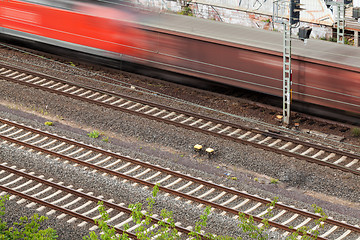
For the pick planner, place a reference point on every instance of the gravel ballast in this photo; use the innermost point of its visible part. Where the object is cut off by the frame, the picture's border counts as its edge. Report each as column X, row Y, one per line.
column 301, row 184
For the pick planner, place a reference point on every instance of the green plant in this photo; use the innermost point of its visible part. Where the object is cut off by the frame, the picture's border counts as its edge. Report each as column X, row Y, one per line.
column 26, row 228
column 355, row 132
column 105, row 139
column 107, row 232
column 306, row 232
column 348, row 41
column 94, row 134
column 256, row 179
column 186, row 11
column 49, row 123
column 330, row 39
column 202, row 223
column 248, row 226
column 167, row 230
column 274, row 180
column 254, row 230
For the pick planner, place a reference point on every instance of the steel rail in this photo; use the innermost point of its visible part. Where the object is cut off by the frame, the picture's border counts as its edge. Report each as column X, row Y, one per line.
column 154, row 167
column 57, row 208
column 232, row 191
column 149, row 184
column 170, row 109
column 243, row 141
column 83, row 195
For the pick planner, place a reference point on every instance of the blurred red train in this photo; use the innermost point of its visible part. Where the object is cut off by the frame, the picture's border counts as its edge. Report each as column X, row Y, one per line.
column 80, row 25
column 324, row 74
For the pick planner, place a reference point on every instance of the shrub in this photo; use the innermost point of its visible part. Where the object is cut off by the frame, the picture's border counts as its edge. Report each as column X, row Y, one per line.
column 26, row 228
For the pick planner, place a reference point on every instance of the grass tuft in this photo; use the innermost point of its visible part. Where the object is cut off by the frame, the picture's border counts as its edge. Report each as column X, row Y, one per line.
column 94, row 134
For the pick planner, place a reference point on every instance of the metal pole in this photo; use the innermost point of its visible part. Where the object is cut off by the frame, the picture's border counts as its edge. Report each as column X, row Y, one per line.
column 283, row 6
column 340, row 28
column 287, row 72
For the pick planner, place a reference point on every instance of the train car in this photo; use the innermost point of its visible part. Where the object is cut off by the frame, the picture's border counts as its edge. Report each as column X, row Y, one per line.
column 324, row 73
column 87, row 26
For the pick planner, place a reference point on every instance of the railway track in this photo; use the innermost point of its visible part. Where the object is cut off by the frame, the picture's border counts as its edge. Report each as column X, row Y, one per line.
column 67, row 202
column 192, row 189
column 271, row 141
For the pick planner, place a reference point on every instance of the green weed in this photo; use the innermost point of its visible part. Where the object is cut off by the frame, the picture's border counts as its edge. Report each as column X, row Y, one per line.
column 94, row 134
column 49, row 123
column 274, row 180
column 355, row 132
